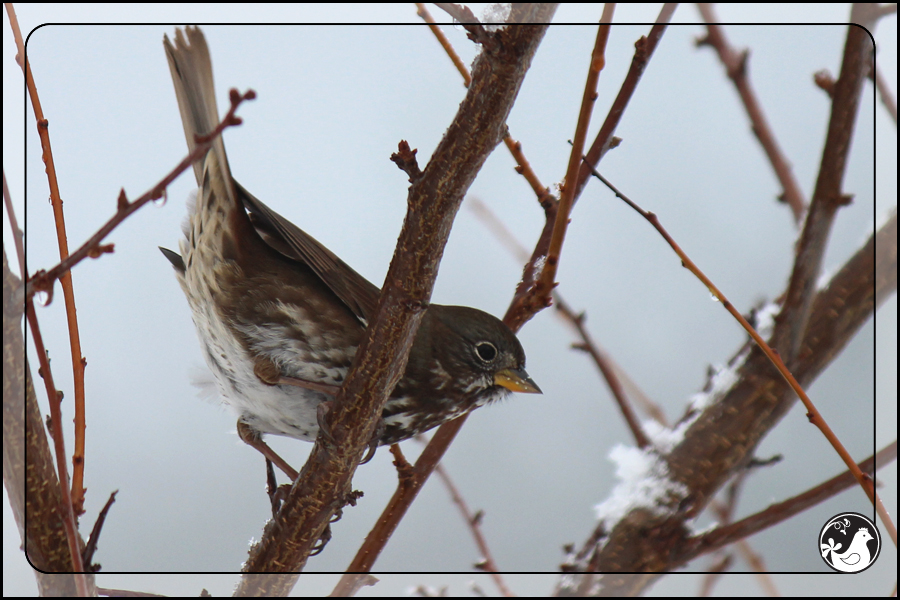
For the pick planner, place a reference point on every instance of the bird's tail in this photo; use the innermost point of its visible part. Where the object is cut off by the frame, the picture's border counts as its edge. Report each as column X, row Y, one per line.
column 192, row 76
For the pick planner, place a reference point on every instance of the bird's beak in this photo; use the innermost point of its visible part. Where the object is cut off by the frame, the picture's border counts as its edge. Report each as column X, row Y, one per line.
column 516, row 380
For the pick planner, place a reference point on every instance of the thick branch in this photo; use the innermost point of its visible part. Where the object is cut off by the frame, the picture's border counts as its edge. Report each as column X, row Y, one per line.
column 828, row 196
column 35, row 496
column 433, row 200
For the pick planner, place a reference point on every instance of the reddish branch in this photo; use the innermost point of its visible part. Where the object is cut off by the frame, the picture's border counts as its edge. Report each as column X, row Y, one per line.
column 526, row 302
column 643, row 52
column 606, row 369
column 423, row 13
column 43, row 280
column 473, row 521
column 736, row 67
column 77, row 490
column 546, row 279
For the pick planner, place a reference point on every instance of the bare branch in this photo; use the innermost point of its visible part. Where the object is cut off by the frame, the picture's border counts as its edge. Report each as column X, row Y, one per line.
column 378, row 364
column 547, row 280
column 736, row 66
column 828, row 196
column 709, row 452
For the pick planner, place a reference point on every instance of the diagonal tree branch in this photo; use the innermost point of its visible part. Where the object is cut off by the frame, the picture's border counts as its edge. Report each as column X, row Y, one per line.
column 724, row 435
column 736, row 67
column 323, row 487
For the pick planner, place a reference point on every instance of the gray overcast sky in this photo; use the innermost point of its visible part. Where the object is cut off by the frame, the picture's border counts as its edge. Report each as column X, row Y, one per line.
column 333, row 101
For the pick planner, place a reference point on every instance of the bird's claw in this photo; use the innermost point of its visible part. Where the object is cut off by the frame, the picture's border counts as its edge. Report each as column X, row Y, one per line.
column 320, row 545
column 374, row 442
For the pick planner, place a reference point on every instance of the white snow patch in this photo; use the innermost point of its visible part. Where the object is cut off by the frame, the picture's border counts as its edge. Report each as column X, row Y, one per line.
column 644, row 483
column 824, row 279
column 765, row 319
column 539, row 265
column 725, row 377
column 662, row 437
column 495, row 15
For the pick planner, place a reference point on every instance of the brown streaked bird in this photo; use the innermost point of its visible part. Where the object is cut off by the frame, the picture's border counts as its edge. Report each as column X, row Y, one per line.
column 279, row 316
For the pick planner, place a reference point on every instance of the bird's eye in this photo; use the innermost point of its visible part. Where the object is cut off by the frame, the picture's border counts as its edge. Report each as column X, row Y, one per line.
column 486, row 351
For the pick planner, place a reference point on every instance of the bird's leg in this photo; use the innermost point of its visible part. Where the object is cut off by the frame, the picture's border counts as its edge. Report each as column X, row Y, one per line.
column 268, row 373
column 325, row 388
column 252, row 438
column 272, row 488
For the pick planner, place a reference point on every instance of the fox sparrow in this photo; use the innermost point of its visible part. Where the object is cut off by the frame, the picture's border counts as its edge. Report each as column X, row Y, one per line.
column 279, row 316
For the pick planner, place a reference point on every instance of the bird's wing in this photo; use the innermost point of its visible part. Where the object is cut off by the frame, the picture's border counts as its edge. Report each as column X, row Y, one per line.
column 354, row 290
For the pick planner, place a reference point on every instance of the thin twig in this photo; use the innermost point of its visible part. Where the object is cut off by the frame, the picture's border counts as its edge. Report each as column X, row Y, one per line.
column 43, row 280
column 713, row 573
column 94, row 538
column 643, row 52
column 736, row 67
column 78, row 361
column 423, row 13
column 14, row 226
column 473, row 521
column 609, row 374
column 523, row 167
column 547, row 280
column 68, row 509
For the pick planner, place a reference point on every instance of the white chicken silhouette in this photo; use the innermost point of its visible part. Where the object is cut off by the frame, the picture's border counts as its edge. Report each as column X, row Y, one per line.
column 853, row 559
